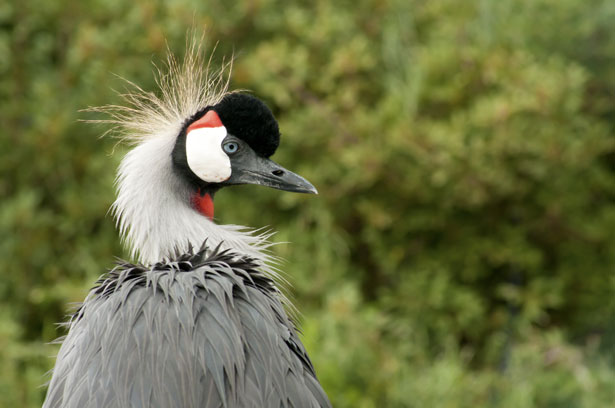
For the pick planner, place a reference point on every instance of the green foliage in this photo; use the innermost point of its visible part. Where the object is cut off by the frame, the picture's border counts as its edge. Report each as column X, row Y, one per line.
column 461, row 252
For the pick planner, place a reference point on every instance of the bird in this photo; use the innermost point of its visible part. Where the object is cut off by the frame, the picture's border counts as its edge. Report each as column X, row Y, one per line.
column 200, row 318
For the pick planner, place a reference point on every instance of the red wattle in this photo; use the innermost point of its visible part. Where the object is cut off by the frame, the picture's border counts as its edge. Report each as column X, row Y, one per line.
column 203, row 204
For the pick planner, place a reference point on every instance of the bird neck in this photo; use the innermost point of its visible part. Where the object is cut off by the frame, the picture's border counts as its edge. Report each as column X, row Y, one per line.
column 158, row 215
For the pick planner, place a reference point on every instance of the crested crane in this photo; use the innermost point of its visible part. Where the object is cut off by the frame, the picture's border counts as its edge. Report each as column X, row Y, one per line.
column 199, row 321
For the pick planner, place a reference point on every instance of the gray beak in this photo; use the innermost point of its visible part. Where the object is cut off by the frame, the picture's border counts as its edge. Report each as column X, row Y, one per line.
column 253, row 169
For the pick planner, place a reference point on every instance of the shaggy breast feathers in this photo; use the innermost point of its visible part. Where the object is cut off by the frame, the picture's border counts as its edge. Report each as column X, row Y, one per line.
column 197, row 330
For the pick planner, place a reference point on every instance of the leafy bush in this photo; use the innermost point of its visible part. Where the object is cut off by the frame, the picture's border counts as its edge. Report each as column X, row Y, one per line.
column 461, row 251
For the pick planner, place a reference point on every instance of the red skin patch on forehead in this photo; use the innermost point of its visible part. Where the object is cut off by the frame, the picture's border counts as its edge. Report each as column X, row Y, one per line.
column 209, row 120
column 204, row 204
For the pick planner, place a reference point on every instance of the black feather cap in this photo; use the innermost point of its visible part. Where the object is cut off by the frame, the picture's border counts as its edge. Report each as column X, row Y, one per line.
column 244, row 116
column 249, row 119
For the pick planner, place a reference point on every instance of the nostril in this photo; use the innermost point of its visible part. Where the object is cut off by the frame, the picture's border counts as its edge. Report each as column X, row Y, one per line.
column 278, row 172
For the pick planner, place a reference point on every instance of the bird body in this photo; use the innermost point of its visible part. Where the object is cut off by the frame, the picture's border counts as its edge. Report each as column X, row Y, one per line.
column 206, row 329
column 199, row 321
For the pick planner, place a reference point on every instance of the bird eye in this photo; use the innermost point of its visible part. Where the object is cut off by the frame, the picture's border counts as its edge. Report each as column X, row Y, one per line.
column 230, row 147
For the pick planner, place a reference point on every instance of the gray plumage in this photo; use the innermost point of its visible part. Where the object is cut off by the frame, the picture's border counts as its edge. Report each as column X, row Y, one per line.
column 207, row 329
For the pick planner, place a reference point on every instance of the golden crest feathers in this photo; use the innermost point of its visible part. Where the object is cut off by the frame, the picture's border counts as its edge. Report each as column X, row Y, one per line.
column 184, row 88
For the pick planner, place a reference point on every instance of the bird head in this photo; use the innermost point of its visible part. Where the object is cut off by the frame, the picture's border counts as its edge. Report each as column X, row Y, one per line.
column 191, row 139
column 229, row 144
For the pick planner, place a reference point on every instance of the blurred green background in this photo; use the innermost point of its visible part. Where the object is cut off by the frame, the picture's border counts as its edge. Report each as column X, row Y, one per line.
column 461, row 252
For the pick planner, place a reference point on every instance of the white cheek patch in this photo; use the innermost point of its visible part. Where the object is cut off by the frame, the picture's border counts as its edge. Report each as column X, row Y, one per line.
column 205, row 156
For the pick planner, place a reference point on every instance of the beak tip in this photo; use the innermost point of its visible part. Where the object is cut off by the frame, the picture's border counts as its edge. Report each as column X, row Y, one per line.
column 308, row 188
